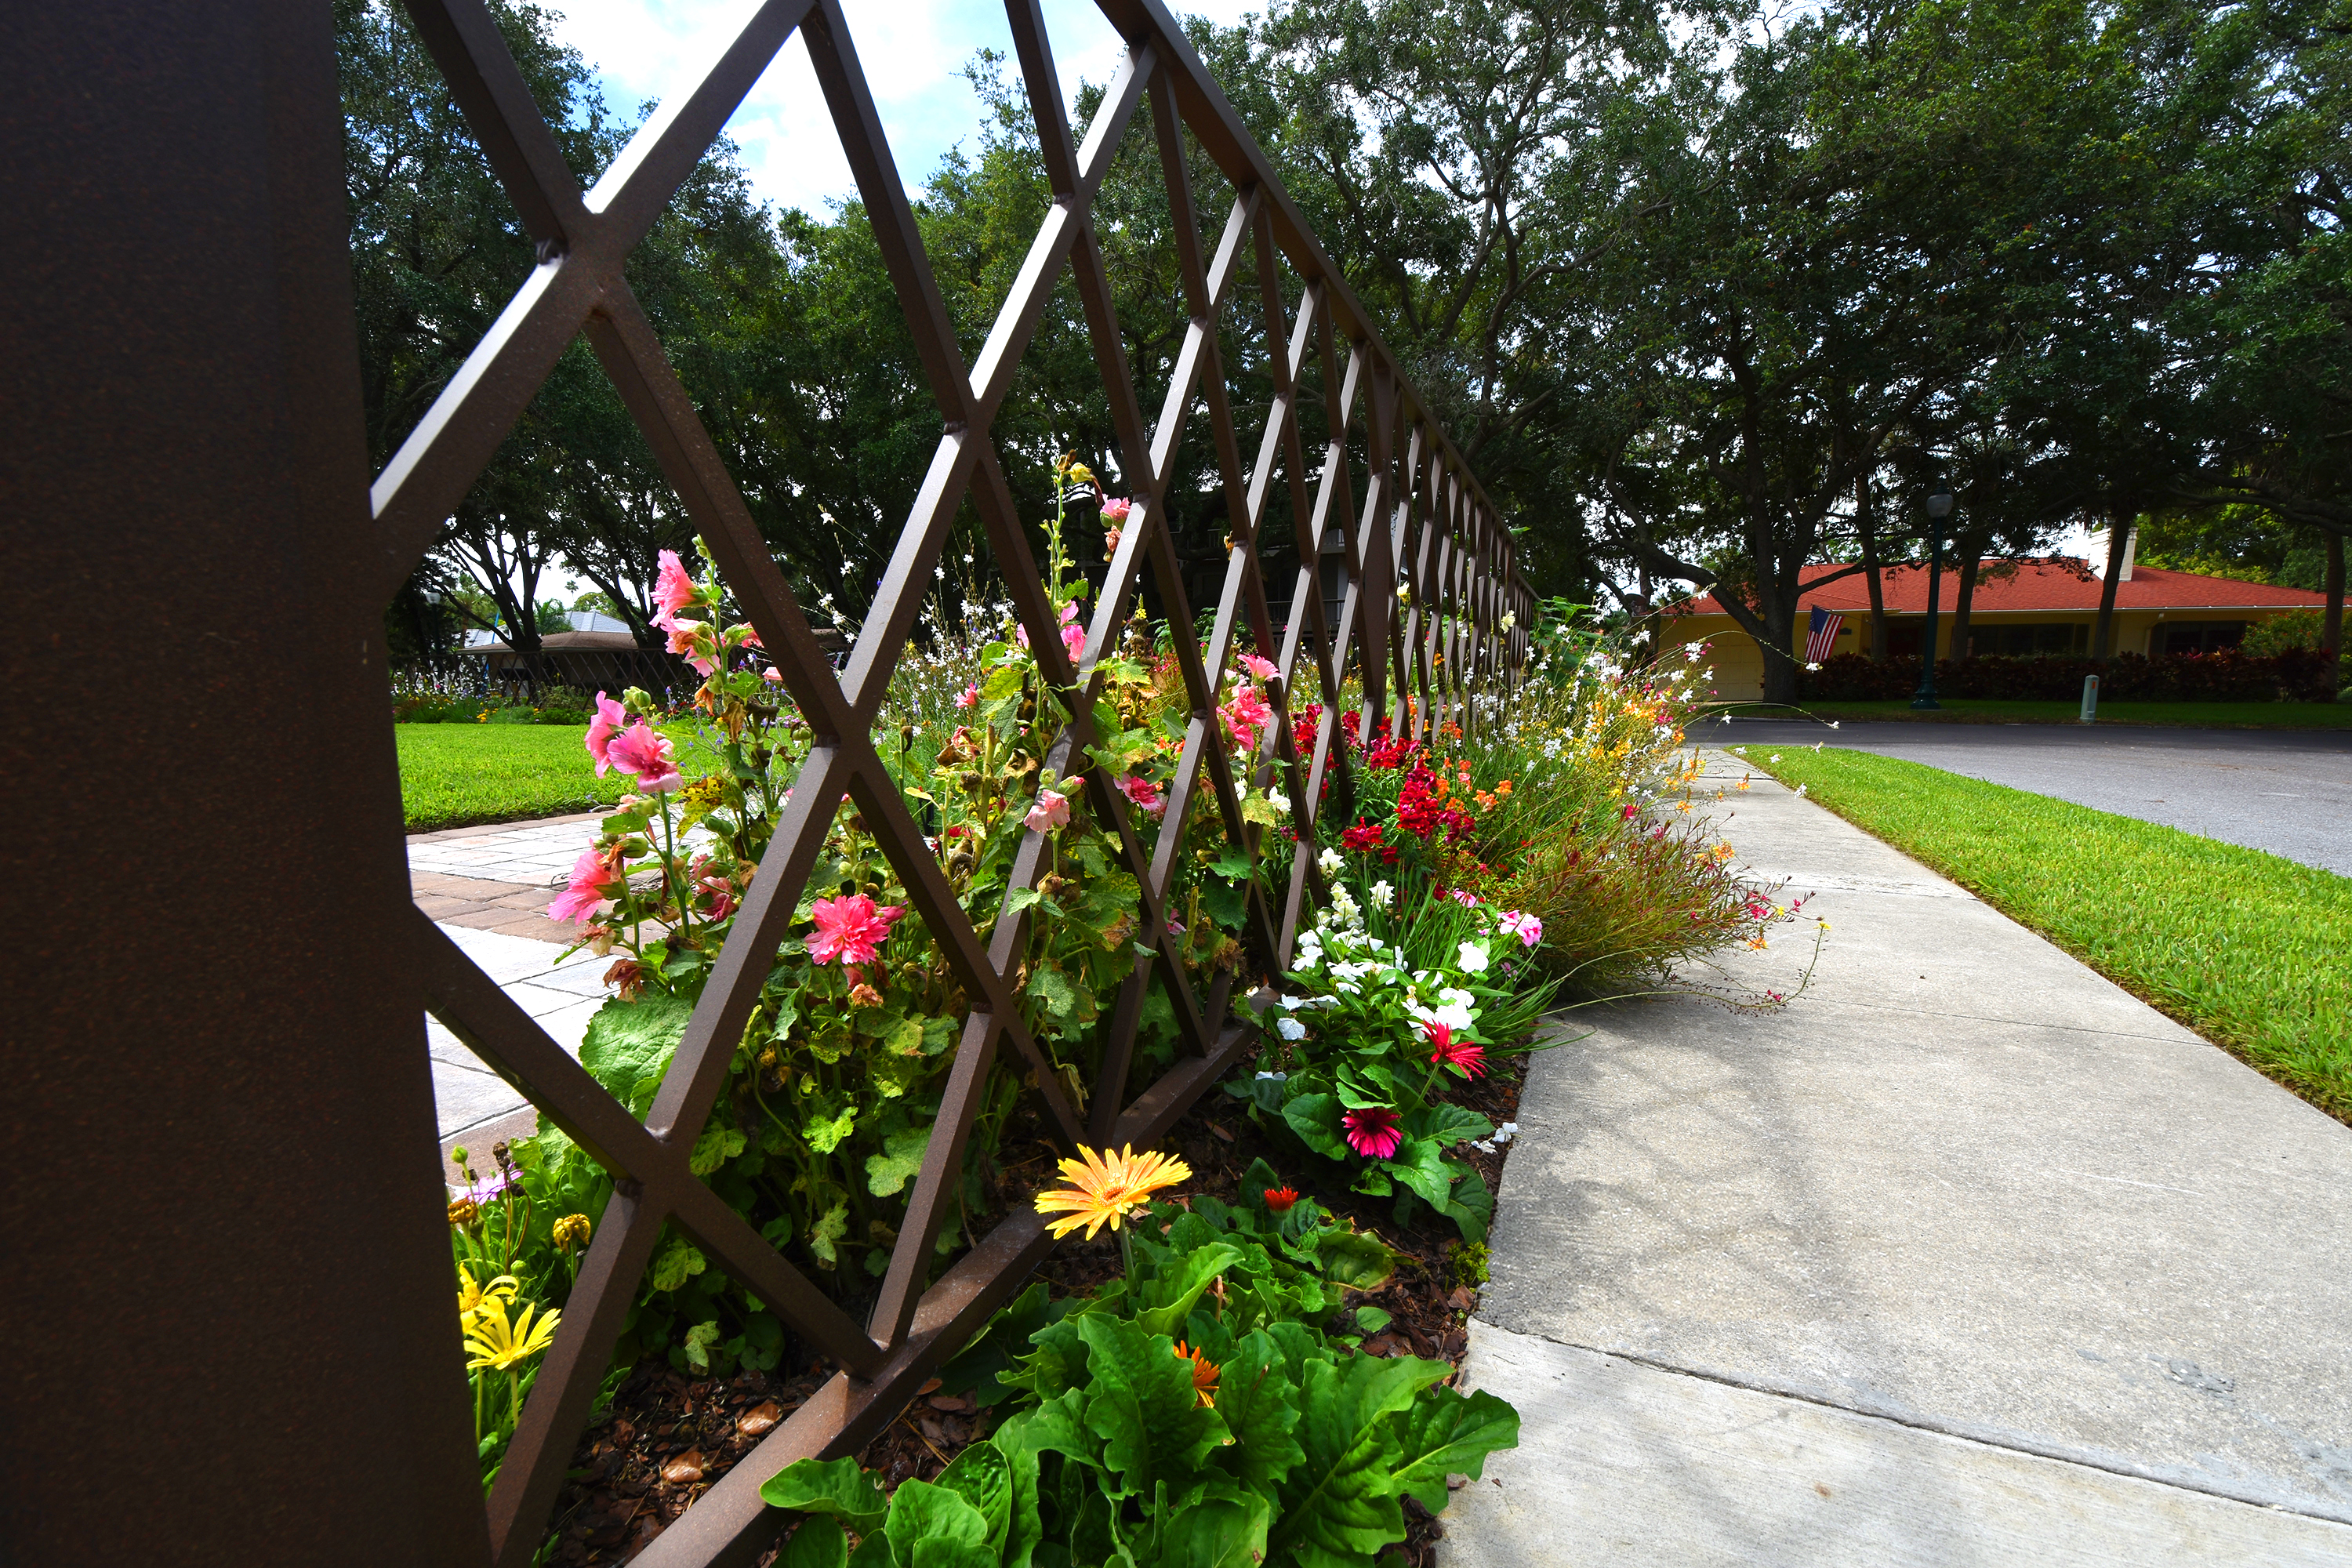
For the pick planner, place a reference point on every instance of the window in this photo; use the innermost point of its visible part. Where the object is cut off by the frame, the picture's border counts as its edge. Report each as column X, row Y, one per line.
column 2031, row 640
column 2172, row 638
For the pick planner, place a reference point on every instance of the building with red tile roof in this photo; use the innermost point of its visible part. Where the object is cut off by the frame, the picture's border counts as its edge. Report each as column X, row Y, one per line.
column 2020, row 609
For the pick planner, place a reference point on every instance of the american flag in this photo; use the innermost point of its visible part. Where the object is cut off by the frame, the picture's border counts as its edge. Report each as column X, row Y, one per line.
column 1823, row 642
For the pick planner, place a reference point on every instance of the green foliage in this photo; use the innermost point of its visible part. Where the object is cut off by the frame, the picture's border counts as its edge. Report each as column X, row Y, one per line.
column 1301, row 1456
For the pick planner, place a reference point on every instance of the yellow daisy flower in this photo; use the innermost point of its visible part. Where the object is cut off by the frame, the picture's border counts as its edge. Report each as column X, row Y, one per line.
column 471, row 1295
column 1107, row 1188
column 501, row 1346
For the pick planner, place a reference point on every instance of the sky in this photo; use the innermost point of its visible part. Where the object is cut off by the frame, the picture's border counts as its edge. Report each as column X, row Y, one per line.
column 912, row 52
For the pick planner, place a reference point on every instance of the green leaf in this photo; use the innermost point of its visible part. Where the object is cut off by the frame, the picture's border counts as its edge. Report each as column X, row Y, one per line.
column 1233, row 863
column 1447, row 1125
column 1445, row 1433
column 905, row 1036
column 830, row 1227
column 834, row 1488
column 1420, row 1164
column 817, row 1543
column 678, row 1263
column 1372, row 1320
column 1227, row 902
column 629, row 1043
column 717, row 1145
column 939, row 1034
column 1026, row 1530
column 1472, row 1209
column 981, row 1478
column 1140, row 1402
column 827, row 1134
column 1218, row 1533
column 1172, row 1295
column 901, row 1157
column 974, row 1368
column 924, row 1514
column 1052, row 987
column 1259, row 1402
column 1020, row 898
column 698, row 1343
column 1316, row 1119
column 1340, row 1506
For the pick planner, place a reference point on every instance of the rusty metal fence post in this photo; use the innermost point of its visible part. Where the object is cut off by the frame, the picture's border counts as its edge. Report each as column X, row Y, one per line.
column 224, row 1124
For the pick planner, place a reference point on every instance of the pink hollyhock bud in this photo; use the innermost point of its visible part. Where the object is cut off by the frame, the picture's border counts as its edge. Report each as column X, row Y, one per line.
column 1050, row 811
column 1115, row 509
column 673, row 589
column 610, row 717
column 1111, row 538
column 1373, row 1131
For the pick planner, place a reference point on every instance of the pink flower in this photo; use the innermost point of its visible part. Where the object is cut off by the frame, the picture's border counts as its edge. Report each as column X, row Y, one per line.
column 772, row 673
column 682, row 639
column 720, row 893
column 1373, row 1131
column 1632, row 810
column 673, row 589
column 851, row 930
column 1111, row 536
column 1526, row 926
column 1073, row 641
column 610, row 717
column 1246, row 716
column 1263, row 669
column 1468, row 900
column 1144, row 794
column 1465, row 1056
column 1115, row 509
column 970, row 698
column 584, row 893
column 645, row 752
column 1050, row 811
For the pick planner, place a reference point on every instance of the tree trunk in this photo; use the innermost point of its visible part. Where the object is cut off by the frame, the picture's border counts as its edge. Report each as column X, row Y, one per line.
column 2118, row 540
column 1964, row 600
column 2331, row 623
column 1779, row 665
column 1867, row 523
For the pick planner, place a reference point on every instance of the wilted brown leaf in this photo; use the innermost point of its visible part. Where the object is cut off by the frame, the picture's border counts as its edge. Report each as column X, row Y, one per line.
column 758, row 1418
column 685, row 1470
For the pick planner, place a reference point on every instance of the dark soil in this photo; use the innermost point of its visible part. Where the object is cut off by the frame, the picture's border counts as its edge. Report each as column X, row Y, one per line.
column 667, row 1437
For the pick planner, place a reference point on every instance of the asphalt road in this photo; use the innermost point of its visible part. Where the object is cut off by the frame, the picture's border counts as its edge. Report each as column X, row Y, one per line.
column 2288, row 792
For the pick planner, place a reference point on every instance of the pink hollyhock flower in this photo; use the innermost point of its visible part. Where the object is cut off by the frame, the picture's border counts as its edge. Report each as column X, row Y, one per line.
column 851, row 930
column 1373, row 1131
column 1144, row 794
column 1465, row 1056
column 595, row 872
column 645, row 752
column 720, row 893
column 1263, row 669
column 772, row 673
column 970, row 696
column 1246, row 716
column 1050, row 811
column 610, row 717
column 673, row 589
column 1115, row 509
column 1073, row 641
column 1526, row 926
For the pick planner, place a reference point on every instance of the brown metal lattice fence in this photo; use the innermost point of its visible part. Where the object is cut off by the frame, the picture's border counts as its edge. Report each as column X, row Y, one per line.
column 1423, row 525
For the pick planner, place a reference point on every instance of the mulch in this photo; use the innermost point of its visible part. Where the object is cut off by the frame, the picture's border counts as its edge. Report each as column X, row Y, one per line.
column 665, row 1436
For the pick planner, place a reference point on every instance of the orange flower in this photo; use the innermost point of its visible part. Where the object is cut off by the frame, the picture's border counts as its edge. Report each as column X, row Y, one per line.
column 1107, row 1188
column 1205, row 1373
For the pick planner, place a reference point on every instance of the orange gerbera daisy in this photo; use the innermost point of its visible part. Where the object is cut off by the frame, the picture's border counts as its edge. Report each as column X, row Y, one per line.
column 1107, row 1188
column 1205, row 1373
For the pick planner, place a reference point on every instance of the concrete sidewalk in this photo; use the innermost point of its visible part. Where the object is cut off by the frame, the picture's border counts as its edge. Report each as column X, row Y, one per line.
column 1965, row 1256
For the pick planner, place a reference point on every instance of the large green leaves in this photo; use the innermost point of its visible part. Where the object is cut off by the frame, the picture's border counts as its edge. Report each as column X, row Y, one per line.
column 834, row 1488
column 1340, row 1506
column 1140, row 1402
column 1259, row 1402
column 1445, row 1432
column 628, row 1045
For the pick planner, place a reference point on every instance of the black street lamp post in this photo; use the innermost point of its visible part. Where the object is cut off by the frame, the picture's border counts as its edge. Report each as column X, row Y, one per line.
column 1939, row 507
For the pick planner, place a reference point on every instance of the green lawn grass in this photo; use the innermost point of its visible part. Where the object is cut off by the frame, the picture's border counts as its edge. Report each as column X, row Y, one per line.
column 455, row 775
column 2253, row 951
column 1970, row 710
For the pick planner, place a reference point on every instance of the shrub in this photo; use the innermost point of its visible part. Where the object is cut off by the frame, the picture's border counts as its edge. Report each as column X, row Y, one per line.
column 2294, row 674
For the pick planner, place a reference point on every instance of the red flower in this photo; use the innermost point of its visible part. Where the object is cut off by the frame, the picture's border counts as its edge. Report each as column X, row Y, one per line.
column 1373, row 1131
column 850, row 930
column 1465, row 1056
column 1363, row 836
column 1279, row 1199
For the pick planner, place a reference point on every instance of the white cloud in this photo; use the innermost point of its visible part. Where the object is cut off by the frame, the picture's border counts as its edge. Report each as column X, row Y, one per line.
column 912, row 52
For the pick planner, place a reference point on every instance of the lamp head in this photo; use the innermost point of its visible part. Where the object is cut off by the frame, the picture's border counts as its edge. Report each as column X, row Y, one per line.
column 1939, row 502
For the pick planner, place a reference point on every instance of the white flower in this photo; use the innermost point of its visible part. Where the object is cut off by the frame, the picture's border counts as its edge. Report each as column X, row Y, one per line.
column 1511, row 620
column 1833, row 724
column 1740, row 750
column 1280, row 801
column 1383, row 895
column 1482, row 1145
column 1800, row 791
column 1776, row 756
column 1473, row 959
column 1506, row 1132
column 1329, row 861
column 1812, row 666
column 1276, row 1077
column 1290, row 1030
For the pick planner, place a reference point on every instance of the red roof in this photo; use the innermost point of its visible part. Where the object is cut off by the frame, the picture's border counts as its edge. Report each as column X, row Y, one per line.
column 2055, row 586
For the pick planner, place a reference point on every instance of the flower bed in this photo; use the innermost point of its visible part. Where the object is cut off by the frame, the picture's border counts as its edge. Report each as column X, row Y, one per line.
column 1448, row 929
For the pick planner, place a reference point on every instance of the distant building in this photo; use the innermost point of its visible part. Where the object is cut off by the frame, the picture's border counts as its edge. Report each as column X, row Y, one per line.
column 2027, row 608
